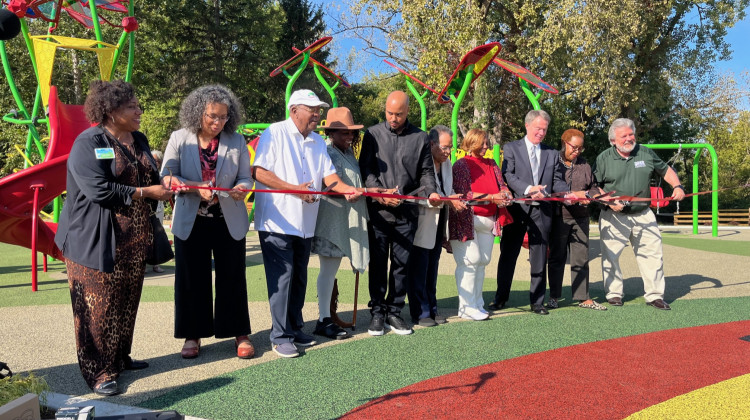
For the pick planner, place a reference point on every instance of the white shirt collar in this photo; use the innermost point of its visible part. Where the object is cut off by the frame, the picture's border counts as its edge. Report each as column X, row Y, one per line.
column 529, row 145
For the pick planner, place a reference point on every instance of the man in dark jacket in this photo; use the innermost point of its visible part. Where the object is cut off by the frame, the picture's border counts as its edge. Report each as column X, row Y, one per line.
column 396, row 156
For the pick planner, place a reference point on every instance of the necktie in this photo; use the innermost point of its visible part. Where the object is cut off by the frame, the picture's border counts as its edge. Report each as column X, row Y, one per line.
column 534, row 165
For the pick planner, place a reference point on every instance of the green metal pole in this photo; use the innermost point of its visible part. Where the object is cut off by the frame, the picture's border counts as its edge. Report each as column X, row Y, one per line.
column 95, row 20
column 714, row 182
column 326, row 86
column 420, row 100
column 292, row 79
column 534, row 99
column 116, row 57
column 457, row 106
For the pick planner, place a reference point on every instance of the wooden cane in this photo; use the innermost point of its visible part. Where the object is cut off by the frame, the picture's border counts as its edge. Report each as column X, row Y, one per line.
column 356, row 291
column 334, row 304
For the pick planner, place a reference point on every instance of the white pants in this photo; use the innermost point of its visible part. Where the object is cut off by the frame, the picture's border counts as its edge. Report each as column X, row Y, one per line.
column 641, row 230
column 471, row 259
column 329, row 266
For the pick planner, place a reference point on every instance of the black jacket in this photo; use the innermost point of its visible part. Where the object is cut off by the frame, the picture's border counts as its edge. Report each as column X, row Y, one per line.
column 403, row 160
column 86, row 233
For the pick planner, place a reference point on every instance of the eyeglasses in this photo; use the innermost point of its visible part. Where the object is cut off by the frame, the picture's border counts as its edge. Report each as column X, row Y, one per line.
column 576, row 148
column 316, row 110
column 217, row 118
column 443, row 148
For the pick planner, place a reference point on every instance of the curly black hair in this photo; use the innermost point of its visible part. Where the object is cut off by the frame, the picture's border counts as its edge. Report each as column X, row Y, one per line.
column 105, row 97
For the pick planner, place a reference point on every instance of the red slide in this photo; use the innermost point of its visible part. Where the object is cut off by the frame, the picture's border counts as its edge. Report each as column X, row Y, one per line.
column 44, row 181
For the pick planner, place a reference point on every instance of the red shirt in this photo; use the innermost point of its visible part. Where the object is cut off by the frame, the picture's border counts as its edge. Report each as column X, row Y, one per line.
column 483, row 181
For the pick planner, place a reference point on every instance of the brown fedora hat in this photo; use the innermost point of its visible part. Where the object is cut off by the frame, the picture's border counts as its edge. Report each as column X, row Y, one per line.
column 340, row 119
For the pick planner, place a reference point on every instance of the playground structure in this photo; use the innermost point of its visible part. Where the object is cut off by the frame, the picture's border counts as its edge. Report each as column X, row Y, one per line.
column 25, row 193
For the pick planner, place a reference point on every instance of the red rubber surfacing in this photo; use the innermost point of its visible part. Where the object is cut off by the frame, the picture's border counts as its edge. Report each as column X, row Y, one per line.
column 604, row 379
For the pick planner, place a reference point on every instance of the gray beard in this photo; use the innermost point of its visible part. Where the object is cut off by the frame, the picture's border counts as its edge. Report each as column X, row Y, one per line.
column 625, row 149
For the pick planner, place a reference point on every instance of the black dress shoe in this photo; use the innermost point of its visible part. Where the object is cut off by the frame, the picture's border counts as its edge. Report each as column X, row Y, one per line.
column 552, row 304
column 659, row 304
column 615, row 301
column 496, row 306
column 539, row 309
column 131, row 364
column 107, row 388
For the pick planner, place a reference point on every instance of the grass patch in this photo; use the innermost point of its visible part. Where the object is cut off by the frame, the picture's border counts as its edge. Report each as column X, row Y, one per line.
column 741, row 248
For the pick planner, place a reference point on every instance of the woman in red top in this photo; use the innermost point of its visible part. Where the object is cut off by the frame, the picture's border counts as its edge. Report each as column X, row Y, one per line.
column 472, row 232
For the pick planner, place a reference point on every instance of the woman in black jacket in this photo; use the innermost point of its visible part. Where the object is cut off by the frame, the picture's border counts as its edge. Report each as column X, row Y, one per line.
column 104, row 231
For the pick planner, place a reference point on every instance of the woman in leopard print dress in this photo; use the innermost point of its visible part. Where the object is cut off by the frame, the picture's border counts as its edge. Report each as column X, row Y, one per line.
column 104, row 231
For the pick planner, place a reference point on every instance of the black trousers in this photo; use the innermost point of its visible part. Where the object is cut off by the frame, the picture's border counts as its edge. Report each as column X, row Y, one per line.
column 537, row 224
column 573, row 233
column 195, row 315
column 389, row 241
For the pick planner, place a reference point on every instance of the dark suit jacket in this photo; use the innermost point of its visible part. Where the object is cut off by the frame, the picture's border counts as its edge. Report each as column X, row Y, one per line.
column 518, row 176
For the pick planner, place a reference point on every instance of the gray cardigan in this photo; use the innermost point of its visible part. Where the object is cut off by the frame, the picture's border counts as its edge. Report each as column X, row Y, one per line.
column 86, row 234
column 232, row 169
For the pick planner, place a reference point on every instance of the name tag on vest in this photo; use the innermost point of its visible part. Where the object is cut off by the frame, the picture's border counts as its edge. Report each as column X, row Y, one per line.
column 640, row 164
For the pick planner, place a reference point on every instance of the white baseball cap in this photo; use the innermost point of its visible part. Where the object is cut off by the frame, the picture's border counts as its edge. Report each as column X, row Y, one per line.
column 305, row 97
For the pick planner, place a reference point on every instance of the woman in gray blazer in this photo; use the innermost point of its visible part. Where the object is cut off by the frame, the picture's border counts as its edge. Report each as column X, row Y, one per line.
column 207, row 152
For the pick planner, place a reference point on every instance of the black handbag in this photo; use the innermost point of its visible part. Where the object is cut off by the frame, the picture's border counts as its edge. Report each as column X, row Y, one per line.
column 161, row 249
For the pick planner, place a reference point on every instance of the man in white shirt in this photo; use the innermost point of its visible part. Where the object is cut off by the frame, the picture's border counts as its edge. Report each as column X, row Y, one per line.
column 290, row 156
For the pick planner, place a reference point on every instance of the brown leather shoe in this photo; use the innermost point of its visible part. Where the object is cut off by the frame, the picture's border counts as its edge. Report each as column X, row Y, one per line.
column 615, row 301
column 191, row 349
column 245, row 349
column 659, row 304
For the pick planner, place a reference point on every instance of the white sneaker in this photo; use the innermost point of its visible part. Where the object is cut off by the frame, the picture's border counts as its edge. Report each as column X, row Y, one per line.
column 474, row 315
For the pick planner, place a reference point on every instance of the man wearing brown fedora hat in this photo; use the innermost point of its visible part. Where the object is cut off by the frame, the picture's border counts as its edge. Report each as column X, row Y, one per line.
column 291, row 156
column 395, row 155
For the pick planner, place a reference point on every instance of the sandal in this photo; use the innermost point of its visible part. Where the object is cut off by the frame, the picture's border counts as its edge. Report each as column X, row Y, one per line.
column 191, row 348
column 593, row 305
column 328, row 328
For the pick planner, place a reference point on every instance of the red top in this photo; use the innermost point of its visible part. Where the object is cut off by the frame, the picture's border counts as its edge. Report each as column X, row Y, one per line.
column 483, row 181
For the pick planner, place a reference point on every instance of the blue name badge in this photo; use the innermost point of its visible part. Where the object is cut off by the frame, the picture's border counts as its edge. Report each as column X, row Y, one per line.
column 640, row 164
column 105, row 153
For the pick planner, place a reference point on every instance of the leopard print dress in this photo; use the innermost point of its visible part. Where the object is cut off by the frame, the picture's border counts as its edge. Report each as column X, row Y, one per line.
column 105, row 304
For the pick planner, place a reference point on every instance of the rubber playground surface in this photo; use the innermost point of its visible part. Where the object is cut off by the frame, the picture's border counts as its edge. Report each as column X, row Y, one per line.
column 631, row 361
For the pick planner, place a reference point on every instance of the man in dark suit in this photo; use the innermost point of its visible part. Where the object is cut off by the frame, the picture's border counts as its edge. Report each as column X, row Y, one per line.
column 531, row 169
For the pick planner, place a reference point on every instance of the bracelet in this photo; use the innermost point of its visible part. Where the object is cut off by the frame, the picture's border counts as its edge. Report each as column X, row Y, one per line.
column 365, row 190
column 141, row 189
column 679, row 186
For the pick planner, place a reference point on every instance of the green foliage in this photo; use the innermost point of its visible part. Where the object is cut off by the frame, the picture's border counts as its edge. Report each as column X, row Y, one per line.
column 17, row 386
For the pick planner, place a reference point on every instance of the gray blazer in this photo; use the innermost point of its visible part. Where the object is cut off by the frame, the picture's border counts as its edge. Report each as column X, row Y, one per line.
column 232, row 169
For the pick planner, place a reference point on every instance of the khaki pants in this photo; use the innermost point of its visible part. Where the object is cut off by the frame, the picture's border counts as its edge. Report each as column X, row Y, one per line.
column 641, row 230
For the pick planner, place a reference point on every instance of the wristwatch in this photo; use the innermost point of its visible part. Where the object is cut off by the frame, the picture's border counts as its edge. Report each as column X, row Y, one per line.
column 679, row 186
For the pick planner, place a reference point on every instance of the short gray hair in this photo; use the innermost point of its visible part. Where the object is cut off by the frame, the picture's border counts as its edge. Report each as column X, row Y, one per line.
column 537, row 113
column 619, row 123
column 436, row 131
column 193, row 107
column 157, row 154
